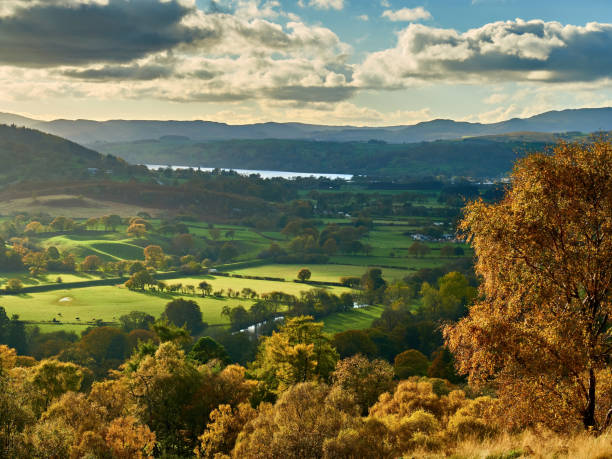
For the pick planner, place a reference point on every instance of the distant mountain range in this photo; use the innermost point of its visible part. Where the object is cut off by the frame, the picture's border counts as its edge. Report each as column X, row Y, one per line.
column 92, row 133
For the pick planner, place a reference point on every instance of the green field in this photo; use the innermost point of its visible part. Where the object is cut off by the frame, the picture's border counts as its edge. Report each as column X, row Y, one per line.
column 108, row 303
column 260, row 286
column 323, row 273
column 111, row 247
column 357, row 319
column 105, row 303
column 49, row 278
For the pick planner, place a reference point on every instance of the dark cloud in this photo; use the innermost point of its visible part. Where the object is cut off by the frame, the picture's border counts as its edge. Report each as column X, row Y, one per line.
column 47, row 35
column 122, row 72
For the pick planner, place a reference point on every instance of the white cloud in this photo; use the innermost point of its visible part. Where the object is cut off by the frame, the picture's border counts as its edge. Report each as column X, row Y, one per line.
column 363, row 17
column 324, row 4
column 407, row 14
column 249, row 58
column 539, row 51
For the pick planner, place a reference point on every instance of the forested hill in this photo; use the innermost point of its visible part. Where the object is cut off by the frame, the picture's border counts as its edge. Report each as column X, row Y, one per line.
column 27, row 154
column 476, row 157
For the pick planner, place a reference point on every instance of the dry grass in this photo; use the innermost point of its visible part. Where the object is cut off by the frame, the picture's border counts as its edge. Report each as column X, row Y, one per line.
column 536, row 445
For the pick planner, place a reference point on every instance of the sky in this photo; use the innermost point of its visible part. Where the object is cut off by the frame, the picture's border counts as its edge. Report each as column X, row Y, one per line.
column 335, row 62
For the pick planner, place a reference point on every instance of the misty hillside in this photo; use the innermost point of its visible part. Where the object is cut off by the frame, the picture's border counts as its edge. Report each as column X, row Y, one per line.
column 27, row 154
column 92, row 132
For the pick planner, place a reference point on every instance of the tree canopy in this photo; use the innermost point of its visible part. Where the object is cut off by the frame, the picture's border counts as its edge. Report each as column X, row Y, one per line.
column 540, row 332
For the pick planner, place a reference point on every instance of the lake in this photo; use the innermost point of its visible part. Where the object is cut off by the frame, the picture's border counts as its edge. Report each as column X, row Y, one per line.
column 263, row 174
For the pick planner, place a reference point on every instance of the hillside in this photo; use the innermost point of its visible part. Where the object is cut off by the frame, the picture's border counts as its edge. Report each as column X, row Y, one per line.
column 27, row 154
column 477, row 157
column 89, row 132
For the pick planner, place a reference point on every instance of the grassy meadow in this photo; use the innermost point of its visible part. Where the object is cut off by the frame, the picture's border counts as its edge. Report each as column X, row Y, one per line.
column 322, row 273
column 74, row 308
column 357, row 319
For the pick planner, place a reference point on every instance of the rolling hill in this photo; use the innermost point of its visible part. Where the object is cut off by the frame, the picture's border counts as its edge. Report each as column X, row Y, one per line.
column 27, row 154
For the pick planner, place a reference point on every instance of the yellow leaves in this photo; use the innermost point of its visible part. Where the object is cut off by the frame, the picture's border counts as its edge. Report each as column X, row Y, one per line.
column 298, row 352
column 543, row 254
column 128, row 439
column 8, row 358
column 474, row 420
column 409, row 396
column 221, row 433
column 412, row 431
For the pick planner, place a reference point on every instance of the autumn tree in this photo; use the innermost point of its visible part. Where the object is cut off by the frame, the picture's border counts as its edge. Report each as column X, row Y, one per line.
column 418, row 249
column 174, row 397
column 128, row 439
column 298, row 352
column 51, row 378
column 137, row 230
column 91, row 263
column 139, row 280
column 14, row 285
column 299, row 424
column 154, row 256
column 540, row 332
column 363, row 379
column 15, row 414
column 33, row 228
column 221, row 433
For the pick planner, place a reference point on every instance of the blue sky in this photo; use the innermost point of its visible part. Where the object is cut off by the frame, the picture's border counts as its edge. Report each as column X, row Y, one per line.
column 381, row 62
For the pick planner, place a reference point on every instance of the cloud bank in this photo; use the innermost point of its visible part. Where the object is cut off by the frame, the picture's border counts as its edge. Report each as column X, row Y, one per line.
column 536, row 51
column 254, row 51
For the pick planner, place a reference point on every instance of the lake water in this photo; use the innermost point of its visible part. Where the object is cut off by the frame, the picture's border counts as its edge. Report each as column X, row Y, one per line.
column 263, row 174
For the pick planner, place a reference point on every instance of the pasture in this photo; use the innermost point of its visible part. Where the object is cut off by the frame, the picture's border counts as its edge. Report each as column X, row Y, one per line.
column 48, row 278
column 357, row 319
column 322, row 273
column 260, row 286
column 74, row 308
column 109, row 247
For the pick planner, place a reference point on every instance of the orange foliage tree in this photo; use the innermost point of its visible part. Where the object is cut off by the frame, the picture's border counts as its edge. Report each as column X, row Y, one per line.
column 540, row 331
